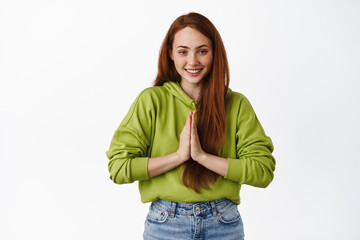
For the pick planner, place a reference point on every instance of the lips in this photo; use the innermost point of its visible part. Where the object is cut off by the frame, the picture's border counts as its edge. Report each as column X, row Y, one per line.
column 193, row 72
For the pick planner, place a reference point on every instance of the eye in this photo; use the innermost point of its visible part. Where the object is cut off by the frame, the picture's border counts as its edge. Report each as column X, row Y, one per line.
column 202, row 51
column 183, row 52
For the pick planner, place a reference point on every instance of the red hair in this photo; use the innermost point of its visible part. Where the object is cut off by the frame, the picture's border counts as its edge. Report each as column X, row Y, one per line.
column 211, row 107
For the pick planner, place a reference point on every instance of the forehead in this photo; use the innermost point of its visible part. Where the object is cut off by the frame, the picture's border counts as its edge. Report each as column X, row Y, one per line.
column 190, row 37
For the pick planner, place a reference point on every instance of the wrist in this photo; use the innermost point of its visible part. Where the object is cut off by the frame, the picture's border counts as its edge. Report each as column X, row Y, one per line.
column 200, row 158
column 178, row 158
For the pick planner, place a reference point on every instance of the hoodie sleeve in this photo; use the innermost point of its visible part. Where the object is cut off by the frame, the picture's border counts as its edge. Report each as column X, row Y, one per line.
column 128, row 151
column 254, row 164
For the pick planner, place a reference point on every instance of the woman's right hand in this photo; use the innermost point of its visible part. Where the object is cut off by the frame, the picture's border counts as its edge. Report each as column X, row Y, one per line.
column 183, row 151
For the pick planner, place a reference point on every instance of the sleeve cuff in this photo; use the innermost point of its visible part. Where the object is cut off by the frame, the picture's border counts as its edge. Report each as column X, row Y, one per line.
column 139, row 168
column 233, row 172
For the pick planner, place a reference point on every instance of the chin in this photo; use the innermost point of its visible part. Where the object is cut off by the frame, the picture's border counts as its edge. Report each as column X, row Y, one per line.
column 193, row 81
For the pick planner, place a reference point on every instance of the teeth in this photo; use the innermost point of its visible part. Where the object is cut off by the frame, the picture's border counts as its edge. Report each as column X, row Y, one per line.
column 193, row 71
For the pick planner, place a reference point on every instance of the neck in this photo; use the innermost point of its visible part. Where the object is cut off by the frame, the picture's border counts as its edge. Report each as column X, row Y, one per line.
column 192, row 90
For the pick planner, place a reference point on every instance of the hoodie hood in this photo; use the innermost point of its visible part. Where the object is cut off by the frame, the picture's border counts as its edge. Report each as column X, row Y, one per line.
column 175, row 89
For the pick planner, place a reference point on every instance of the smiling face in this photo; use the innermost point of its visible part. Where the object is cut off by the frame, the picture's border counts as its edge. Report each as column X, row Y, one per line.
column 192, row 55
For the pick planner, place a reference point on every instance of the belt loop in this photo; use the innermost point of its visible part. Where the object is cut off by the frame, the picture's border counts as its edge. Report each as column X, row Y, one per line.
column 214, row 208
column 172, row 209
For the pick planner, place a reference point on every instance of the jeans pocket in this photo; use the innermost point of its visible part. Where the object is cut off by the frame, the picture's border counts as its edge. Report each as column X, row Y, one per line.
column 229, row 214
column 157, row 214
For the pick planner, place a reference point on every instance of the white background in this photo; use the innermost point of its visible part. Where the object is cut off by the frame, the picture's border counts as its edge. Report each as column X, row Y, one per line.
column 70, row 69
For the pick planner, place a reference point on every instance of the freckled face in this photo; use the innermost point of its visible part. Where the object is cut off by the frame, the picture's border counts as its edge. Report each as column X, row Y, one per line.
column 192, row 55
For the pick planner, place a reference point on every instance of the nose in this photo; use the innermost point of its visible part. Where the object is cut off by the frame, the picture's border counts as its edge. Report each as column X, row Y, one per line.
column 192, row 60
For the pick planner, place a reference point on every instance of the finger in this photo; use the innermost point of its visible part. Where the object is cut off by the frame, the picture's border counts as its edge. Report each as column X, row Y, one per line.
column 189, row 122
column 194, row 120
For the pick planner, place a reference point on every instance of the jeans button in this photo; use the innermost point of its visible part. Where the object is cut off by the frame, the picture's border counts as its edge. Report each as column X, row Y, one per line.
column 197, row 209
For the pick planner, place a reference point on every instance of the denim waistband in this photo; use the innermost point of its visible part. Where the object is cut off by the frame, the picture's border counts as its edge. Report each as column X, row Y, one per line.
column 196, row 209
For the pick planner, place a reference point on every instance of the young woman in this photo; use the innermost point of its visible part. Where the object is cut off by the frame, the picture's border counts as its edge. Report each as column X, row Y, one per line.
column 190, row 141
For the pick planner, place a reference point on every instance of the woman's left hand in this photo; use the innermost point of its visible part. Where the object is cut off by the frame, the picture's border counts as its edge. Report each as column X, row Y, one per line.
column 196, row 150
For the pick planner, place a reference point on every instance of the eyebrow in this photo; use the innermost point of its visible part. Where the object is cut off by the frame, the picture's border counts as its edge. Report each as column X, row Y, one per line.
column 204, row 45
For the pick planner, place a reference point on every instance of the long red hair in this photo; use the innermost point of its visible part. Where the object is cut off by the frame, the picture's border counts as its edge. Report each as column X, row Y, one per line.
column 211, row 107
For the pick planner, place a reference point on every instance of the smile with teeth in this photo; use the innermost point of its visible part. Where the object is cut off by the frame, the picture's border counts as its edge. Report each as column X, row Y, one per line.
column 193, row 70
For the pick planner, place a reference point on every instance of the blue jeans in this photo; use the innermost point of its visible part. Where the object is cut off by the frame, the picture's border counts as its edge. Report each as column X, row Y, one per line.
column 217, row 219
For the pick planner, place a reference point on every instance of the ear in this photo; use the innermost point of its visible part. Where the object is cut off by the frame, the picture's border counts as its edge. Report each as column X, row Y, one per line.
column 170, row 53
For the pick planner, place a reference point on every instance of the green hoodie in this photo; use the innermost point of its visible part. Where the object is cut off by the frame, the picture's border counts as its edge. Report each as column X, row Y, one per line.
column 152, row 128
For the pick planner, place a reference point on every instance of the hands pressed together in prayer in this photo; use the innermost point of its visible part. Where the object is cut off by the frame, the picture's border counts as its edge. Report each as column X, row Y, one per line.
column 189, row 144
